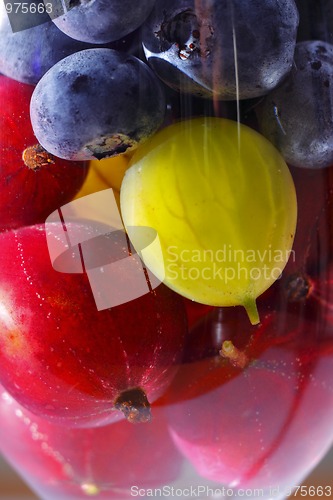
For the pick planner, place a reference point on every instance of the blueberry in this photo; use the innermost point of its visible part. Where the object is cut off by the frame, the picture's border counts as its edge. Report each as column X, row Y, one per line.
column 221, row 48
column 96, row 103
column 298, row 115
column 102, row 21
column 26, row 55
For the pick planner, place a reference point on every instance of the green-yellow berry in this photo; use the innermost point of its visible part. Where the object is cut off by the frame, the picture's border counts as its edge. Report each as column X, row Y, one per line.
column 223, row 203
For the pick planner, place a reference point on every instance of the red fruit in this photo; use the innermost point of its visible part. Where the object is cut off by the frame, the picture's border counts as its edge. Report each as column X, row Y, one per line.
column 62, row 358
column 195, row 311
column 260, row 414
column 102, row 462
column 33, row 183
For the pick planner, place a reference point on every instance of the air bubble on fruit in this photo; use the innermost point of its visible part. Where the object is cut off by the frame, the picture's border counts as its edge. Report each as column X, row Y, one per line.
column 223, row 203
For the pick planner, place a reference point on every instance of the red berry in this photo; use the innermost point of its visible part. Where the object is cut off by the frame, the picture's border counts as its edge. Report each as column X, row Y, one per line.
column 66, row 463
column 33, row 183
column 62, row 358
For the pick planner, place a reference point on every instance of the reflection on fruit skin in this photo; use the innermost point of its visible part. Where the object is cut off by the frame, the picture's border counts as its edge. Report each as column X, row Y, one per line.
column 103, row 462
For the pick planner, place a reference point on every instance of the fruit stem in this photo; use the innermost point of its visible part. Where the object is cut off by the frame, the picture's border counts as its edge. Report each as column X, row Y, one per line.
column 134, row 405
column 252, row 311
column 36, row 157
column 236, row 357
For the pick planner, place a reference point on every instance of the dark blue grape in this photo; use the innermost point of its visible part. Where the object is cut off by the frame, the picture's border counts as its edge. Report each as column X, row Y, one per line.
column 221, row 48
column 26, row 55
column 298, row 116
column 96, row 103
column 25, row 15
column 102, row 21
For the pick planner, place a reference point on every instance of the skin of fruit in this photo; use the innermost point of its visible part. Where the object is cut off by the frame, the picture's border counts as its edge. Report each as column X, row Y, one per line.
column 62, row 358
column 104, row 461
column 213, row 204
column 258, row 416
column 30, row 189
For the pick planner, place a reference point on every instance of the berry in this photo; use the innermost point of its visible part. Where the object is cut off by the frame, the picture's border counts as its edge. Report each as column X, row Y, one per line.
column 297, row 117
column 33, row 182
column 63, row 359
column 96, row 103
column 222, row 50
column 265, row 384
column 112, row 170
column 226, row 221
column 102, row 21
